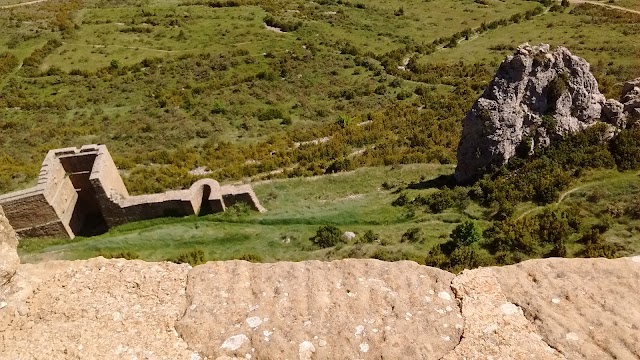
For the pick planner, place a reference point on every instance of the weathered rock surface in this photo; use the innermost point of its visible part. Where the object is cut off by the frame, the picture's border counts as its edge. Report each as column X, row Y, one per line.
column 94, row 309
column 537, row 96
column 349, row 309
column 584, row 308
column 365, row 309
column 317, row 310
column 9, row 260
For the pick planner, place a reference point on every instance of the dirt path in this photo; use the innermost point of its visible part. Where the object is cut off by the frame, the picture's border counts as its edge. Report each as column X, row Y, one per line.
column 122, row 46
column 605, row 5
column 560, row 200
column 22, row 4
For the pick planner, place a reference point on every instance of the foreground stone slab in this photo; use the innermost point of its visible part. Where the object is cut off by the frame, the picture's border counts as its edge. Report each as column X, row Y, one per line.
column 9, row 260
column 494, row 327
column 95, row 309
column 584, row 308
column 350, row 309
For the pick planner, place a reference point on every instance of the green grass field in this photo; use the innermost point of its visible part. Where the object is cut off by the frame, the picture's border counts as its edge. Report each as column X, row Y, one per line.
column 174, row 85
column 354, row 201
column 171, row 82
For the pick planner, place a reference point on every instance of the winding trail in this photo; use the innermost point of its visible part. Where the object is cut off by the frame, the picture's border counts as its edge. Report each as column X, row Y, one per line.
column 123, row 47
column 21, row 4
column 605, row 5
column 560, row 200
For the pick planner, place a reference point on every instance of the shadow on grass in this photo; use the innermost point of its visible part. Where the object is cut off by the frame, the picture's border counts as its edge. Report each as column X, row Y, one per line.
column 441, row 182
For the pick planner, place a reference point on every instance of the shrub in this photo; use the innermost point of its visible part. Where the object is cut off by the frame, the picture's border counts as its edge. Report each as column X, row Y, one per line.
column 251, row 258
column 557, row 87
column 193, row 257
column 553, row 227
column 596, row 246
column 128, row 255
column 413, row 235
column 284, row 25
column 343, row 164
column 115, row 64
column 327, row 236
column 344, row 120
column 625, row 148
column 466, row 233
column 401, row 200
column 272, row 113
column 370, row 237
column 445, row 199
column 436, row 257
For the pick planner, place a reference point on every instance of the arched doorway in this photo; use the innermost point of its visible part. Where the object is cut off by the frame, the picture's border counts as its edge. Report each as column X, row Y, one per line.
column 205, row 205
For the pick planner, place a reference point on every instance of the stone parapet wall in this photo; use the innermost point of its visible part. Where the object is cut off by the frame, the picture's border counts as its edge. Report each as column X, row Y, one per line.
column 25, row 212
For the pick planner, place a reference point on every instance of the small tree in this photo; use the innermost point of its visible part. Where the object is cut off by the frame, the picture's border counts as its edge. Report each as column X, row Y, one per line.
column 413, row 235
column 115, row 64
column 370, row 237
column 327, row 236
column 466, row 233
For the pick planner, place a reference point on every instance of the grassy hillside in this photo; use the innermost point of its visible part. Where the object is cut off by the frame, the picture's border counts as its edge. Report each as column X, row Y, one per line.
column 340, row 112
column 356, row 201
column 171, row 86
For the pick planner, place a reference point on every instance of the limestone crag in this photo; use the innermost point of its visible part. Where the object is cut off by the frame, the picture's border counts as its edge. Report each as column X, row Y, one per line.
column 537, row 96
column 631, row 98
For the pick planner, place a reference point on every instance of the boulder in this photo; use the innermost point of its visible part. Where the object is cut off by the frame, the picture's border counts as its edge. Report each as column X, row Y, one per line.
column 613, row 113
column 348, row 236
column 538, row 95
column 631, row 97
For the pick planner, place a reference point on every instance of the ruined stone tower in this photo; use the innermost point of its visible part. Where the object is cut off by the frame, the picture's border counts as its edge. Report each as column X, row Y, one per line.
column 80, row 192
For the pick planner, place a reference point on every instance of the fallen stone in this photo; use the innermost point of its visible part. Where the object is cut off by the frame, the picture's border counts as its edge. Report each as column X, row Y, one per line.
column 348, row 236
column 494, row 326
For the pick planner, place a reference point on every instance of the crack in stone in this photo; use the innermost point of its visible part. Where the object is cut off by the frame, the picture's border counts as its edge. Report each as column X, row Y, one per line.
column 188, row 303
column 527, row 316
column 458, row 298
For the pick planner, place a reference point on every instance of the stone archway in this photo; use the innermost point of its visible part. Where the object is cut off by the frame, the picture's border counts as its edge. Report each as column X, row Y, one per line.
column 205, row 204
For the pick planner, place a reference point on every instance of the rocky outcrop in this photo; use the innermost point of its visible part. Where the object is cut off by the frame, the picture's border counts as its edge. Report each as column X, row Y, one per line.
column 9, row 260
column 537, row 96
column 631, row 99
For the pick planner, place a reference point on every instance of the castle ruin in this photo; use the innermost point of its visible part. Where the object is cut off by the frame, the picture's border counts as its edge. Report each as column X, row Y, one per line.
column 80, row 192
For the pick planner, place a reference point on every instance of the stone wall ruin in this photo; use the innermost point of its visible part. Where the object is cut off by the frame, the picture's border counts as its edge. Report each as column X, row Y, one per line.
column 80, row 192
